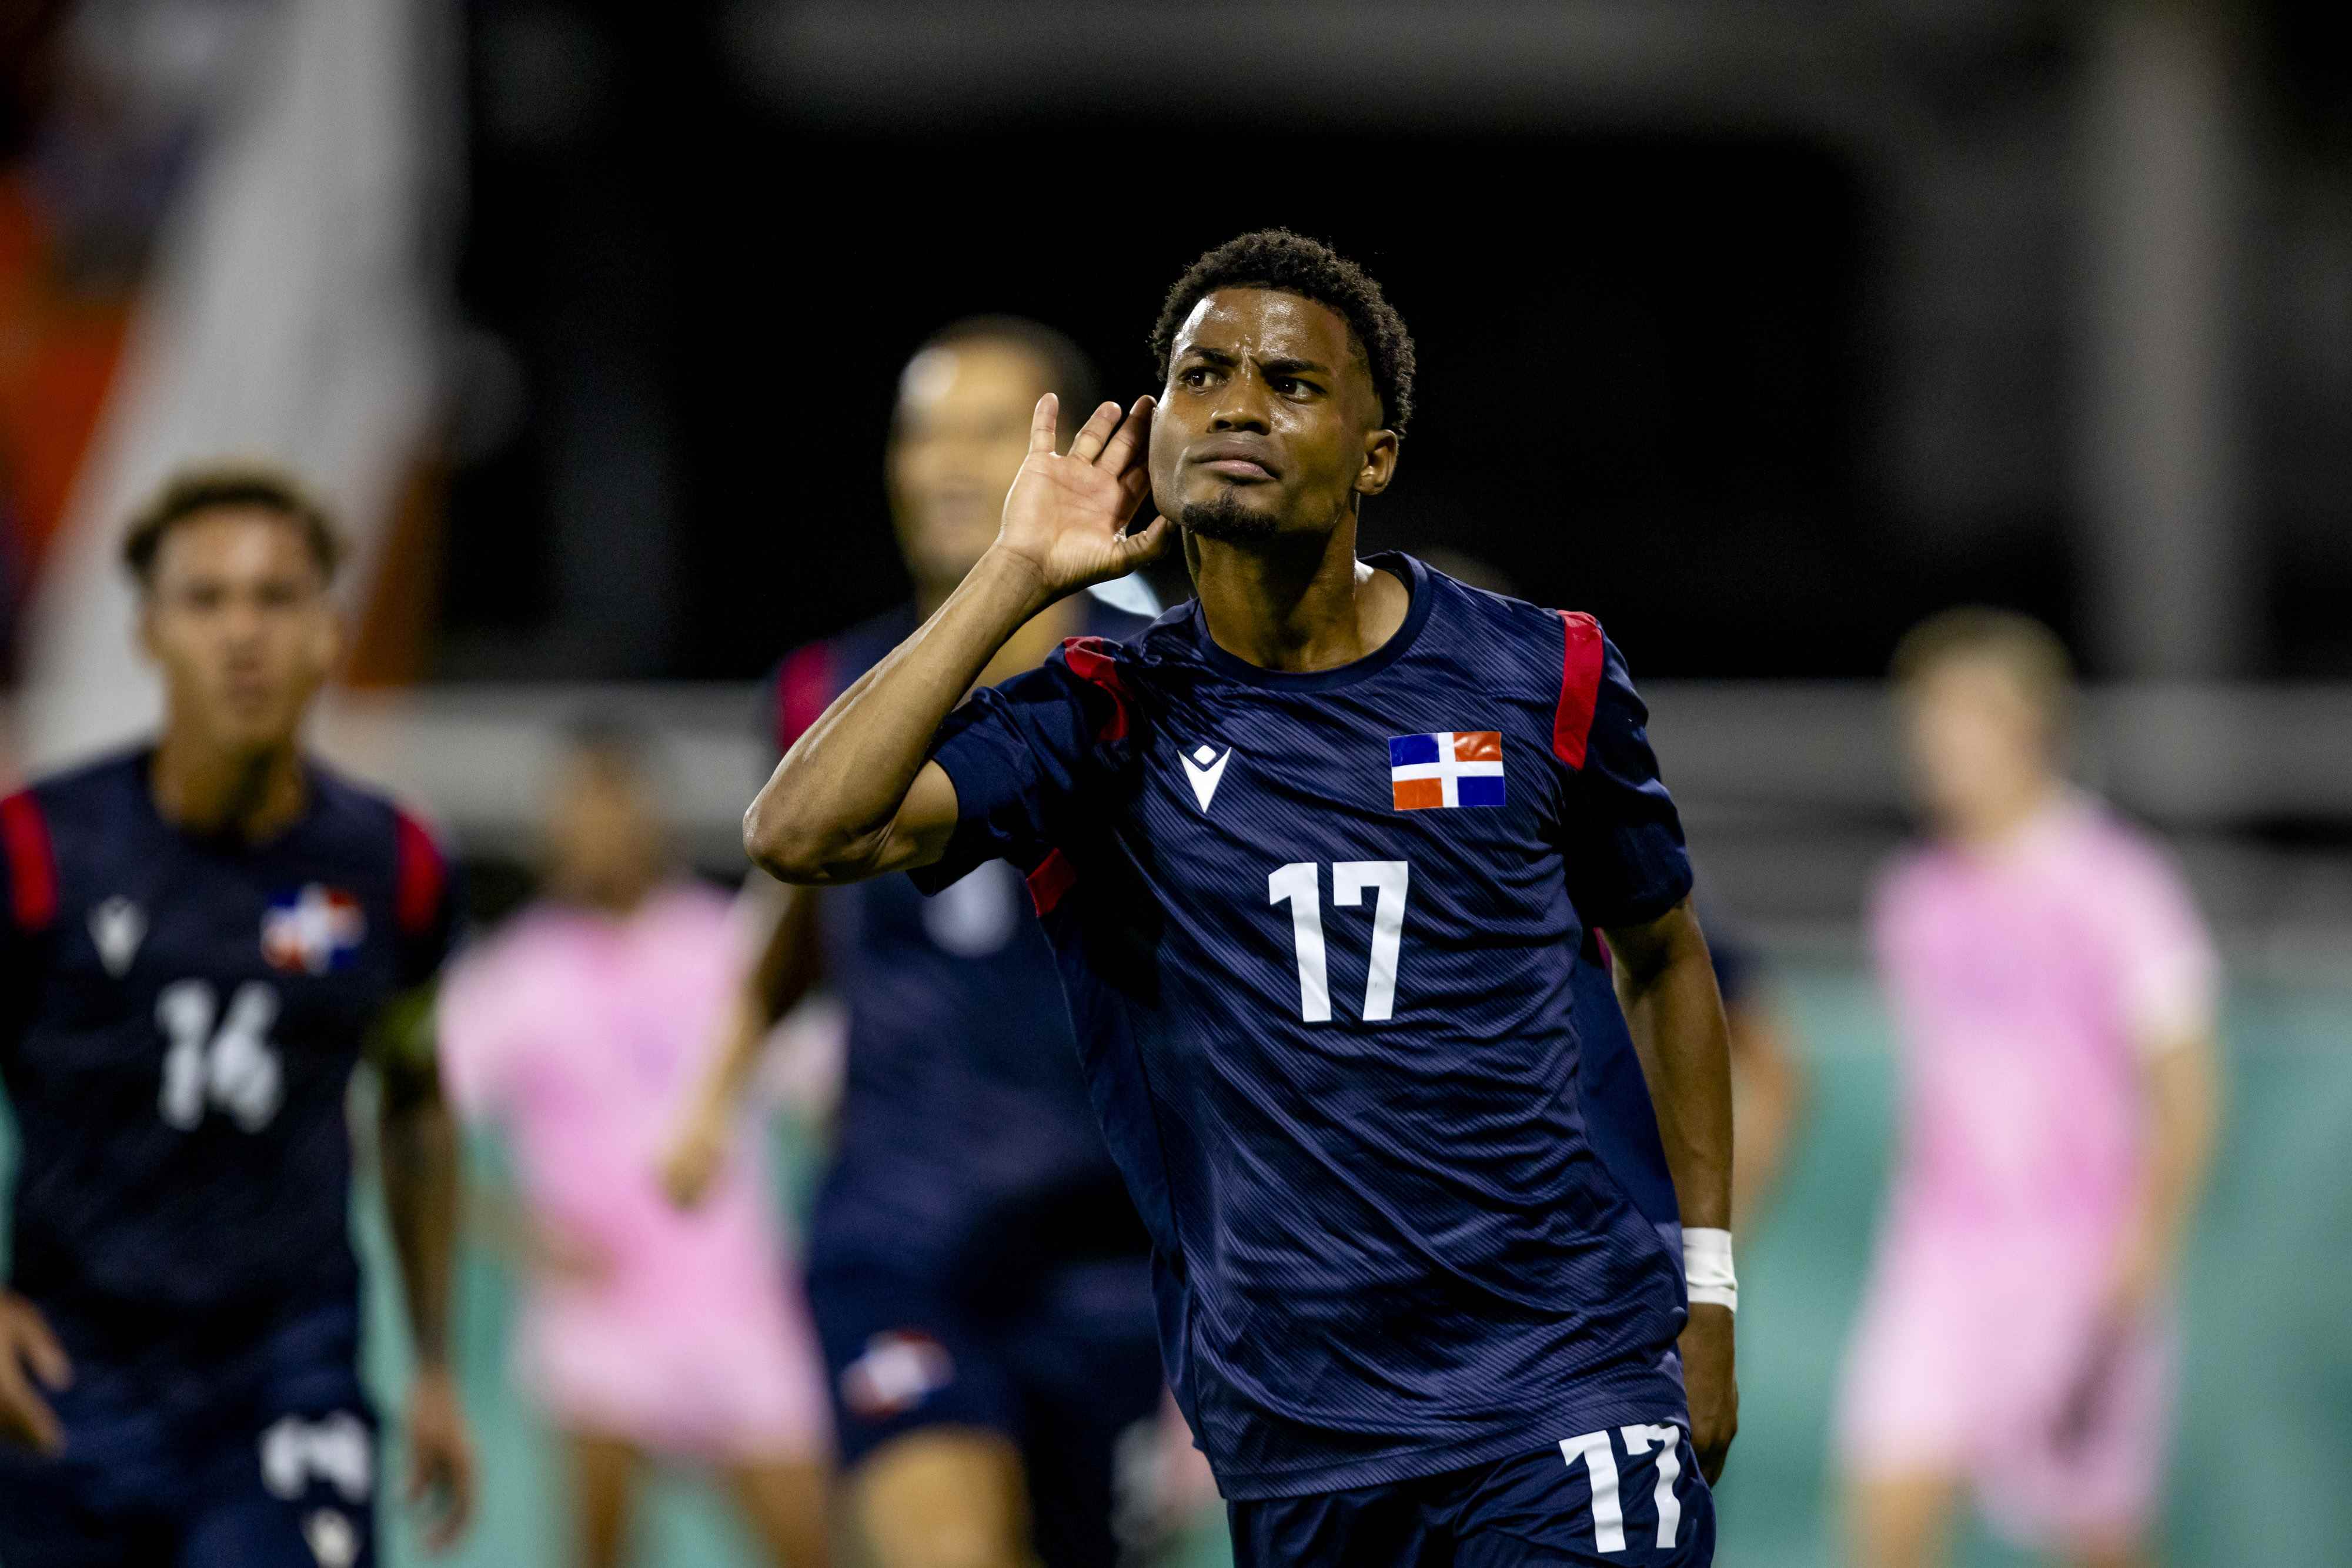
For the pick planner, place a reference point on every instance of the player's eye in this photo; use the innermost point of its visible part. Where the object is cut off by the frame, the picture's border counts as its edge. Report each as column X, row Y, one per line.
column 1197, row 376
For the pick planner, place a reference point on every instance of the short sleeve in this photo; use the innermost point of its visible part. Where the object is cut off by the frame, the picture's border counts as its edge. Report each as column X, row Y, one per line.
column 29, row 867
column 426, row 901
column 2167, row 975
column 1619, row 835
column 28, row 906
column 1020, row 752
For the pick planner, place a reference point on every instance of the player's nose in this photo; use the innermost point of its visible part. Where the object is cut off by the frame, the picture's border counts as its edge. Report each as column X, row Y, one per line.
column 1239, row 409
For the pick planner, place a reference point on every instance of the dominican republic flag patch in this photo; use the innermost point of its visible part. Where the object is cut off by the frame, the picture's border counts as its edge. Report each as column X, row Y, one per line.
column 1451, row 768
column 312, row 931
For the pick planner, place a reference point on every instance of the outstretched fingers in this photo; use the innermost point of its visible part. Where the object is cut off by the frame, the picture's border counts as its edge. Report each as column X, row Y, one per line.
column 1087, row 444
column 1124, row 446
column 1043, row 420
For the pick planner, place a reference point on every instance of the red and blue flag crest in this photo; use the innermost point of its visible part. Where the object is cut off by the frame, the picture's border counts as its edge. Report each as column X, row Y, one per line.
column 1450, row 768
column 312, row 931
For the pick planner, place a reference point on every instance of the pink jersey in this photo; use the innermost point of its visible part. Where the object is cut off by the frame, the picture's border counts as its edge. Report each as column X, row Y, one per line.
column 583, row 1037
column 2026, row 981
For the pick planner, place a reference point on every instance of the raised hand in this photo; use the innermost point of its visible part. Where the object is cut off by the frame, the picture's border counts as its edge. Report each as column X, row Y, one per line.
column 1065, row 517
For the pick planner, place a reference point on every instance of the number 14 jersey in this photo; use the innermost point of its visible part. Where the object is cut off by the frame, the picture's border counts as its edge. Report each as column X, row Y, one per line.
column 1317, row 933
column 181, row 1019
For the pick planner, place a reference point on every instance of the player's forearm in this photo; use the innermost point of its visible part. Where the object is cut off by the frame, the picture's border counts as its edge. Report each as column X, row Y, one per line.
column 420, row 1158
column 826, row 812
column 1665, row 984
column 2183, row 1118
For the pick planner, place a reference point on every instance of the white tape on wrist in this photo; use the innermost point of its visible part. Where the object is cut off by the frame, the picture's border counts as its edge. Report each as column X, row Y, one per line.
column 1706, row 1267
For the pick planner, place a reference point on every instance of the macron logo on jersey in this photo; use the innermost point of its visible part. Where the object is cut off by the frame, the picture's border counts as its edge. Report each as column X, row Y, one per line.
column 312, row 932
column 1451, row 767
column 1204, row 768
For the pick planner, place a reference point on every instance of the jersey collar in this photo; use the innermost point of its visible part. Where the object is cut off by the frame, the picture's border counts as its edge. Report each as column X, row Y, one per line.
column 1396, row 563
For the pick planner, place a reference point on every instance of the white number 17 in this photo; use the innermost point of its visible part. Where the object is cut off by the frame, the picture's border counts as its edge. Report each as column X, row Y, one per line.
column 1299, row 886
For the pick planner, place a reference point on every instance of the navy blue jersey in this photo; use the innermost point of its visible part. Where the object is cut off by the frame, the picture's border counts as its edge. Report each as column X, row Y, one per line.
column 1318, row 933
column 184, row 1017
column 964, row 1129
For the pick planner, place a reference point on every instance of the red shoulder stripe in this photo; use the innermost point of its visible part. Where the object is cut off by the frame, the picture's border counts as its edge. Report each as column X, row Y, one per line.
column 32, row 869
column 1090, row 660
column 419, row 876
column 1053, row 877
column 803, row 691
column 1580, row 686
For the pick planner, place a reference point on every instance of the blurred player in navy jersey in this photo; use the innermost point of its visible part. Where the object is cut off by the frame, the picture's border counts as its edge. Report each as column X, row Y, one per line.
column 201, row 934
column 978, row 1276
column 1315, row 854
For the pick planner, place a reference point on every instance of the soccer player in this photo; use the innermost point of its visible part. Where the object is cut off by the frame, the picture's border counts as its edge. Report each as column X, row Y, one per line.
column 1313, row 852
column 978, row 1276
column 200, row 935
column 582, row 1028
column 2054, row 993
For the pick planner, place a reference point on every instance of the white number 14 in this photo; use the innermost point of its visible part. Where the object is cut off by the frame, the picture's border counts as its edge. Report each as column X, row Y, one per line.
column 1299, row 886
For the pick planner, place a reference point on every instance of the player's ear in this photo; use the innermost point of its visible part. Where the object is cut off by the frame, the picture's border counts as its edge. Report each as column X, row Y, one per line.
column 1379, row 462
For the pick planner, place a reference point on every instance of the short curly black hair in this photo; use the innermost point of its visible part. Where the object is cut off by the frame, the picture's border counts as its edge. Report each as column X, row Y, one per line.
column 1293, row 264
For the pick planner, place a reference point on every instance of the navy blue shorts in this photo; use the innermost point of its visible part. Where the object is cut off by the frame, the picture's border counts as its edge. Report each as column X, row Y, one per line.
column 263, row 1459
column 1628, row 1498
column 1064, row 1372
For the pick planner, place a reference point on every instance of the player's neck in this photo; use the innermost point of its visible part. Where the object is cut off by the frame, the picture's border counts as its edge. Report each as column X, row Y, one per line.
column 613, row 897
column 216, row 793
column 1296, row 604
column 2000, row 824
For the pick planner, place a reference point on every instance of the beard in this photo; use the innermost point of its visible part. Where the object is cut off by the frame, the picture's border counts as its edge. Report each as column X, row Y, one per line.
column 1226, row 520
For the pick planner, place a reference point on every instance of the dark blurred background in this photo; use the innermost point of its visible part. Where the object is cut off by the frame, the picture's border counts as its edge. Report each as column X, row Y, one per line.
column 1759, row 330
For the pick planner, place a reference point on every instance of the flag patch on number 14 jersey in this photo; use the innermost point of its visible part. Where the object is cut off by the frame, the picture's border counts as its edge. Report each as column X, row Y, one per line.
column 1451, row 767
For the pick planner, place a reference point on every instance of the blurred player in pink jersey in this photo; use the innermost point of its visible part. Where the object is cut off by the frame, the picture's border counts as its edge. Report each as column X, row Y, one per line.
column 2054, row 992
column 648, row 1332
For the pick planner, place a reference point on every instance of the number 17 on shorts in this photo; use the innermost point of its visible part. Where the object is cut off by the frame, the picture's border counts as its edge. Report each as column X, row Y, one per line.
column 1643, row 1503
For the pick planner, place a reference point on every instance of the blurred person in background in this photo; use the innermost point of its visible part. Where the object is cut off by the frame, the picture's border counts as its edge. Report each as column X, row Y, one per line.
column 580, row 1029
column 202, row 937
column 2054, row 993
column 979, row 1275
